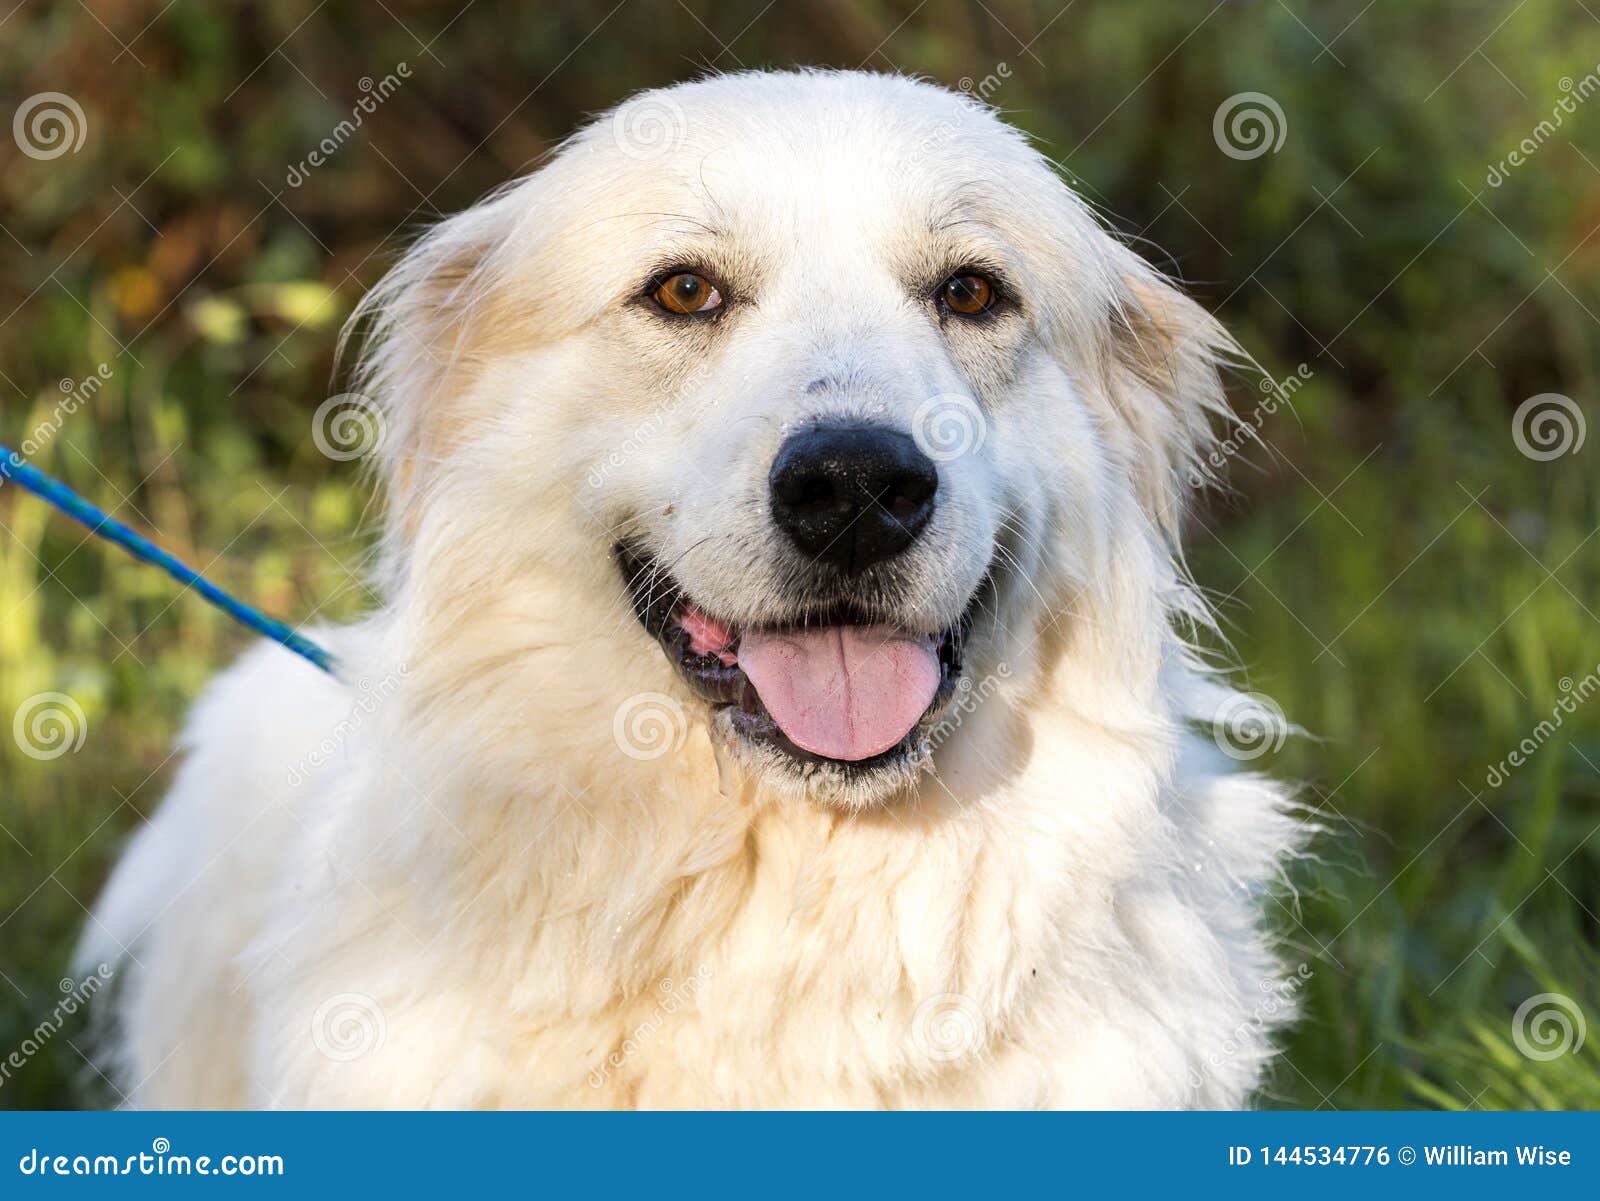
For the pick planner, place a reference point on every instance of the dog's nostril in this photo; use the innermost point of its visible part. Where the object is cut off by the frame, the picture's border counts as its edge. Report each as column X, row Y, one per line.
column 912, row 490
column 811, row 494
column 852, row 495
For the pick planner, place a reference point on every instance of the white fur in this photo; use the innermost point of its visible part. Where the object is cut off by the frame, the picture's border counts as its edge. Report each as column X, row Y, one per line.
column 477, row 899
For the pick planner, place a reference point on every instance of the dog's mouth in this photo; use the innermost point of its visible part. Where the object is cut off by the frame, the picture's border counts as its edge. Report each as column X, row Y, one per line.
column 841, row 686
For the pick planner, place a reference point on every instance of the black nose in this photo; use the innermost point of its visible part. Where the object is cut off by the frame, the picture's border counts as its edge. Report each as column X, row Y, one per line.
column 852, row 495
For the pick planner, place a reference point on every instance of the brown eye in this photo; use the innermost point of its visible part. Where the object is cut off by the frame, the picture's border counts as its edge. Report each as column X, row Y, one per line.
column 687, row 292
column 968, row 295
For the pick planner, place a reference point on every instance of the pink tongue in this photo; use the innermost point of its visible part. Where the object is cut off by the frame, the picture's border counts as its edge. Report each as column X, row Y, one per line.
column 846, row 692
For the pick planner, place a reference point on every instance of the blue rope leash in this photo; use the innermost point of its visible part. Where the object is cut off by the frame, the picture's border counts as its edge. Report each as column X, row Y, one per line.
column 105, row 526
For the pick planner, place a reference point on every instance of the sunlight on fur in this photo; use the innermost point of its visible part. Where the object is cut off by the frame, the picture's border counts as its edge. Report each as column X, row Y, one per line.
column 584, row 824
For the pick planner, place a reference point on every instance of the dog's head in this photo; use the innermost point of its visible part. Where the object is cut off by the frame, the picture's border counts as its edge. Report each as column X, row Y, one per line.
column 828, row 379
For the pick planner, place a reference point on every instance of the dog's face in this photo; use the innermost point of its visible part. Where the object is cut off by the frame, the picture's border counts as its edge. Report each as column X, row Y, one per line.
column 850, row 394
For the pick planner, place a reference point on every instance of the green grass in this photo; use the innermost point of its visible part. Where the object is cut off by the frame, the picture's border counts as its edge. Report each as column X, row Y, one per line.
column 1408, row 621
column 132, row 651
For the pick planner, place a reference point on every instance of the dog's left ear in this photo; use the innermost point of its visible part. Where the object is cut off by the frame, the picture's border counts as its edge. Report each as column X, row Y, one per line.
column 1164, row 367
column 414, row 330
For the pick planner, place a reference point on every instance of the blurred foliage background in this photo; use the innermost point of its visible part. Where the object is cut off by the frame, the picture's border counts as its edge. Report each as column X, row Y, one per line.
column 1410, row 588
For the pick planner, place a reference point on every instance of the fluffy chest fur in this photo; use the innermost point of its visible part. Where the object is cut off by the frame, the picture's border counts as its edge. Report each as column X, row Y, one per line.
column 1088, row 936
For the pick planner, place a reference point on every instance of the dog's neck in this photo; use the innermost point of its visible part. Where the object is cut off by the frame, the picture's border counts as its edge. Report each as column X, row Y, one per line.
column 650, row 869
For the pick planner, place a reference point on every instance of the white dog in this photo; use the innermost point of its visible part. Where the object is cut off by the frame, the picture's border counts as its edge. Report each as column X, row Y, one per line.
column 780, row 696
